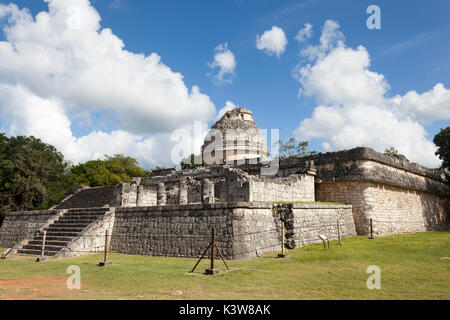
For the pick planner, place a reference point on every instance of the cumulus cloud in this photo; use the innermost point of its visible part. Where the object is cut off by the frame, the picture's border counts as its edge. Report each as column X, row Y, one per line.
column 353, row 107
column 272, row 41
column 305, row 33
column 226, row 62
column 62, row 62
column 331, row 37
column 429, row 106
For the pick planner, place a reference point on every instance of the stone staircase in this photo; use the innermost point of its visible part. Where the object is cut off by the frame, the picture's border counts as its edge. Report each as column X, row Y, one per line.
column 89, row 198
column 63, row 231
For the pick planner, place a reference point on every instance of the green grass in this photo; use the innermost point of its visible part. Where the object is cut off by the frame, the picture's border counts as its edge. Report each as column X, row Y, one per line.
column 413, row 266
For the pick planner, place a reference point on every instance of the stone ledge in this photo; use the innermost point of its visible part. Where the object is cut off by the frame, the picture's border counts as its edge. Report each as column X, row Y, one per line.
column 364, row 153
column 198, row 206
column 320, row 206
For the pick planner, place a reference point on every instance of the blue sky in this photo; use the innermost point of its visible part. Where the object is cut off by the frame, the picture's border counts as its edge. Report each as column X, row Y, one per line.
column 411, row 51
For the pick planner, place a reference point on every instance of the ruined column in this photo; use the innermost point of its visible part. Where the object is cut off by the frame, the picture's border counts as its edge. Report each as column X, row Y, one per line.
column 183, row 192
column 140, row 196
column 207, row 191
column 161, row 195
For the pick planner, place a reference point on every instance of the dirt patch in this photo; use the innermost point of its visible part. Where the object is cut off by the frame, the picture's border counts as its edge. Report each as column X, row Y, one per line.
column 33, row 288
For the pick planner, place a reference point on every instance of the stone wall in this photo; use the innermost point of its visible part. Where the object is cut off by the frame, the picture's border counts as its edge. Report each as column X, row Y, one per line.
column 293, row 188
column 393, row 209
column 176, row 231
column 243, row 230
column 19, row 226
column 310, row 220
column 256, row 230
column 398, row 195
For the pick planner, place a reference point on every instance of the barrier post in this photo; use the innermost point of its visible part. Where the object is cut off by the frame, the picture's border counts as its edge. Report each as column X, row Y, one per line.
column 283, row 240
column 43, row 258
column 105, row 261
column 371, row 229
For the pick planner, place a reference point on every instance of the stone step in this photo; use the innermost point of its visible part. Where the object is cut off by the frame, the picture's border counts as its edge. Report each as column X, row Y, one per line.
column 78, row 219
column 39, row 247
column 50, row 242
column 69, row 220
column 85, row 213
column 69, row 225
column 63, row 228
column 36, row 252
column 87, row 209
column 62, row 234
column 54, row 238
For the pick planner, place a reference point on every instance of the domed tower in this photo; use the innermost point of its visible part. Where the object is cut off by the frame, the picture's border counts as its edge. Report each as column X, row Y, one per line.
column 234, row 137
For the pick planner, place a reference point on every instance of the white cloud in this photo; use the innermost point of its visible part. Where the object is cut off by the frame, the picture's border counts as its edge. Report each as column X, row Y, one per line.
column 272, row 41
column 46, row 119
column 331, row 37
column 61, row 63
column 226, row 62
column 305, row 33
column 353, row 108
column 65, row 53
column 429, row 106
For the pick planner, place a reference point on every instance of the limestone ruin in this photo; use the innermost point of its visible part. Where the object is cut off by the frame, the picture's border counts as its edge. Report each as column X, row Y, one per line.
column 171, row 213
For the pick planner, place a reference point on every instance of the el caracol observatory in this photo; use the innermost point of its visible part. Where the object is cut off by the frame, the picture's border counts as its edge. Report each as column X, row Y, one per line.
column 234, row 137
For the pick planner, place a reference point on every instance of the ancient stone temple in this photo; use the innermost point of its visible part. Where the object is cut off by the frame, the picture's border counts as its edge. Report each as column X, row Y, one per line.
column 172, row 213
column 234, row 137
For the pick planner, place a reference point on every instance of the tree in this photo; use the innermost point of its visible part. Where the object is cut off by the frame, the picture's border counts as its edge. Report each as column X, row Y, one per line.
column 32, row 174
column 191, row 162
column 292, row 147
column 391, row 151
column 442, row 141
column 108, row 172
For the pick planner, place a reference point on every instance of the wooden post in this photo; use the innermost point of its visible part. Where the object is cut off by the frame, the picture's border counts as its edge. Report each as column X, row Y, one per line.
column 212, row 245
column 283, row 240
column 43, row 258
column 371, row 229
column 206, row 250
column 339, row 233
column 43, row 244
column 105, row 259
column 213, row 241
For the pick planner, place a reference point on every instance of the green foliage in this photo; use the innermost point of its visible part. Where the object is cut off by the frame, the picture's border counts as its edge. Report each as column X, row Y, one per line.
column 391, row 151
column 191, row 162
column 108, row 172
column 32, row 174
column 292, row 147
column 442, row 141
column 35, row 176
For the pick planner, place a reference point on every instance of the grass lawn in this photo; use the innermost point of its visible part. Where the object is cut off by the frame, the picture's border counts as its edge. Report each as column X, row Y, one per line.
column 413, row 266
